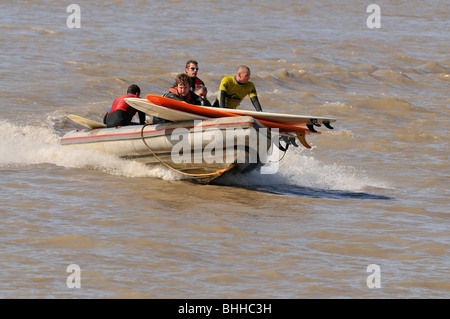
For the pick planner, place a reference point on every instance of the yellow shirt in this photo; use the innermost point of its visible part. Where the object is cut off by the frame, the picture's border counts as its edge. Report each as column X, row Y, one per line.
column 235, row 92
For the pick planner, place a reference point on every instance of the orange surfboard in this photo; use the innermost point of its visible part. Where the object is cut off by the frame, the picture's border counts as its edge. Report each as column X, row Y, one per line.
column 219, row 112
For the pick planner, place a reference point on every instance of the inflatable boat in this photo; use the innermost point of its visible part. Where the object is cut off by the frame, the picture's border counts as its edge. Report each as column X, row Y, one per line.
column 201, row 150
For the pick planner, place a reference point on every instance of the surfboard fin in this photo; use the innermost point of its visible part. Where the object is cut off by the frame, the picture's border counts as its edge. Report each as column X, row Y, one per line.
column 315, row 123
column 311, row 128
column 288, row 140
column 327, row 125
column 301, row 138
column 285, row 139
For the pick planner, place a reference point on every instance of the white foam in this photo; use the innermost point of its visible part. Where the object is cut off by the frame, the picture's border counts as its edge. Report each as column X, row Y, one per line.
column 34, row 144
column 301, row 168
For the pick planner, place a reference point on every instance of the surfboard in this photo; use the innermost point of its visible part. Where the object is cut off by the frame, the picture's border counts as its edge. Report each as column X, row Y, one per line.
column 86, row 122
column 218, row 112
column 284, row 118
column 289, row 119
column 163, row 112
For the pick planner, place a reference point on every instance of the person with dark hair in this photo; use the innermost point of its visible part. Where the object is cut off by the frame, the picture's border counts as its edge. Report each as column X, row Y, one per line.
column 182, row 92
column 120, row 113
column 192, row 71
column 233, row 89
column 202, row 91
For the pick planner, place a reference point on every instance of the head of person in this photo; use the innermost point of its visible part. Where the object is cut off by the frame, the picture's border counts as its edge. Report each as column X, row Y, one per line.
column 243, row 74
column 183, row 84
column 201, row 90
column 192, row 68
column 134, row 89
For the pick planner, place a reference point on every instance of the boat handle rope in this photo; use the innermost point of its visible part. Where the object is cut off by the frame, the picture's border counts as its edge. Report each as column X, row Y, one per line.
column 217, row 173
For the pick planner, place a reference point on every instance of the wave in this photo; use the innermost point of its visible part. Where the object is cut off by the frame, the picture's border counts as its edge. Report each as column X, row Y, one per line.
column 431, row 67
column 361, row 76
column 42, row 31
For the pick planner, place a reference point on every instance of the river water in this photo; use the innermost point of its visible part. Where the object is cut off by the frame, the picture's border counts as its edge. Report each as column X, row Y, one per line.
column 373, row 191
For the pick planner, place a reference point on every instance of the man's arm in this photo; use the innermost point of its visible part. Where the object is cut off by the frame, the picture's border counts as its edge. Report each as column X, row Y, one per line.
column 141, row 117
column 221, row 98
column 256, row 104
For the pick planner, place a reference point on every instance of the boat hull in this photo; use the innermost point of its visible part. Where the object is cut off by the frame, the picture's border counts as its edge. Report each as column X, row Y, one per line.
column 200, row 150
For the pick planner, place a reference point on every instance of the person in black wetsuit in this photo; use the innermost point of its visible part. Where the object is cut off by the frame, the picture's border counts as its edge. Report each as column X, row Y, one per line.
column 182, row 92
column 202, row 91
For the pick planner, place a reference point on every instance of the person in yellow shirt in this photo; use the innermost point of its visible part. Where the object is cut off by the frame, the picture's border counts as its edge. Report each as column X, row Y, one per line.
column 233, row 89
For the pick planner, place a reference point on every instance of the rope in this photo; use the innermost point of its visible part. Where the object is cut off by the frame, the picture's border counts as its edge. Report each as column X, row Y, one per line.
column 217, row 173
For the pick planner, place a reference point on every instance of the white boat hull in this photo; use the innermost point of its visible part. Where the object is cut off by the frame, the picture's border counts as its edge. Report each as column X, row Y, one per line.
column 197, row 149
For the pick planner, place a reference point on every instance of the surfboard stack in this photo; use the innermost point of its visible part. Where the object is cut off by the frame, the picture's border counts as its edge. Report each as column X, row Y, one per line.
column 201, row 143
column 288, row 124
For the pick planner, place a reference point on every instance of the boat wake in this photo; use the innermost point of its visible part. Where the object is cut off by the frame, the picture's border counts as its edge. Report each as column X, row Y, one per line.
column 301, row 175
column 298, row 174
column 40, row 144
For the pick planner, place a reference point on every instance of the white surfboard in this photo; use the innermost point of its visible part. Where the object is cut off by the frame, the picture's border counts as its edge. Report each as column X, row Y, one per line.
column 177, row 116
column 163, row 112
column 283, row 118
column 86, row 122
